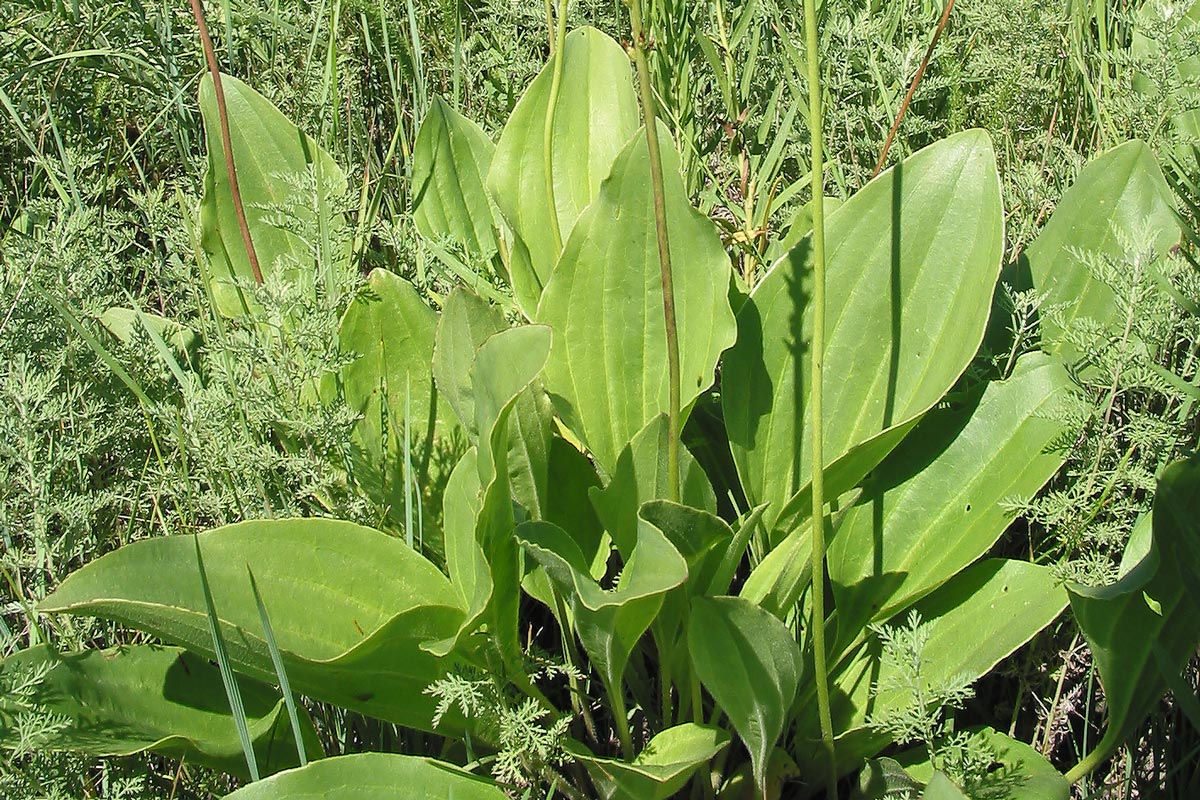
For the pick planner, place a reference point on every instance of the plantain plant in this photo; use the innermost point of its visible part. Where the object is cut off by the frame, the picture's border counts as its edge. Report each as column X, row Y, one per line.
column 549, row 564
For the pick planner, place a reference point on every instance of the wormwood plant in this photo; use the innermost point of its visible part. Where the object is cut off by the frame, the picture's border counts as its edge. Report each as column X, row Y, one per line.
column 544, row 499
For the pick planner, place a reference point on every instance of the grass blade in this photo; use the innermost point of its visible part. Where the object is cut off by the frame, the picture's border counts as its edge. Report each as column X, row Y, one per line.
column 227, row 676
column 280, row 672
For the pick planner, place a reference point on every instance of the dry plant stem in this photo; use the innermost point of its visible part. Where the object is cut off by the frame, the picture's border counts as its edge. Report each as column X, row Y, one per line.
column 821, row 678
column 646, row 91
column 560, row 56
column 215, row 71
column 912, row 88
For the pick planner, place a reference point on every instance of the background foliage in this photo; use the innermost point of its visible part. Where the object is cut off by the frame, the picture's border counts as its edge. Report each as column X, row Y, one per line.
column 101, row 161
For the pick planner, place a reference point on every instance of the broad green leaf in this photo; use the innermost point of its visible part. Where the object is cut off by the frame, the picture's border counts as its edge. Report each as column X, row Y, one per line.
column 466, row 322
column 609, row 623
column 124, row 323
column 350, row 607
column 912, row 260
column 699, row 536
column 937, row 502
column 1177, row 502
column 980, row 616
column 595, row 115
column 465, row 562
column 372, row 776
column 569, row 507
column 777, row 582
column 164, row 699
column 660, row 770
column 280, row 170
column 641, row 475
column 1147, row 610
column 451, row 159
column 750, row 664
column 800, row 227
column 392, row 331
column 606, row 374
column 882, row 778
column 1119, row 199
column 505, row 372
column 504, row 377
column 1020, row 771
column 942, row 788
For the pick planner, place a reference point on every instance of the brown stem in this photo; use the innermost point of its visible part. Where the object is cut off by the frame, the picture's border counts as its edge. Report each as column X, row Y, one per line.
column 214, row 70
column 912, row 88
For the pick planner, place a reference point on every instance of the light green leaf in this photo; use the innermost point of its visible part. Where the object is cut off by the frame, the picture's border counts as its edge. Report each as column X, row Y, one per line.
column 124, row 324
column 979, row 617
column 451, row 159
column 466, row 322
column 800, row 227
column 465, row 562
column 1177, row 502
column 750, row 664
column 609, row 622
column 507, row 366
column 1121, row 624
column 392, row 330
column 640, row 476
column 881, row 779
column 164, row 699
column 499, row 385
column 273, row 158
column 660, row 770
column 606, row 374
column 1020, row 773
column 936, row 503
column 596, row 114
column 942, row 788
column 350, row 607
column 372, row 776
column 912, row 260
column 1120, row 197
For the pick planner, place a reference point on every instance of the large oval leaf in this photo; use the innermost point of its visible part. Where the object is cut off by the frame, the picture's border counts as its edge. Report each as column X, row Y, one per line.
column 372, row 776
column 936, row 503
column 609, row 622
column 273, row 159
column 349, row 606
column 594, row 117
column 466, row 322
column 164, row 699
column 1019, row 771
column 606, row 374
column 451, row 159
column 912, row 261
column 641, row 475
column 750, row 664
column 1119, row 199
column 979, row 617
column 660, row 770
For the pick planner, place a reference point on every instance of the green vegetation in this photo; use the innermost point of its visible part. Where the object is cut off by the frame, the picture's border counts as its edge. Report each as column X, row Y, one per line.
column 493, row 399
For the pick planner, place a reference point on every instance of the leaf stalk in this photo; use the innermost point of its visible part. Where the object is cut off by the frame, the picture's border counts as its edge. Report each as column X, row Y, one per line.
column 817, row 364
column 646, row 93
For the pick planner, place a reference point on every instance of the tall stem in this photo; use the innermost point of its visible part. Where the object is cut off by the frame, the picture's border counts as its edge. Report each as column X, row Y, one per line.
column 559, row 55
column 816, row 401
column 646, row 91
column 215, row 71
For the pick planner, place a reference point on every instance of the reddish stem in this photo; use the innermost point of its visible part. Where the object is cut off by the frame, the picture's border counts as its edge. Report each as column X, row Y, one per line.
column 912, row 88
column 215, row 71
